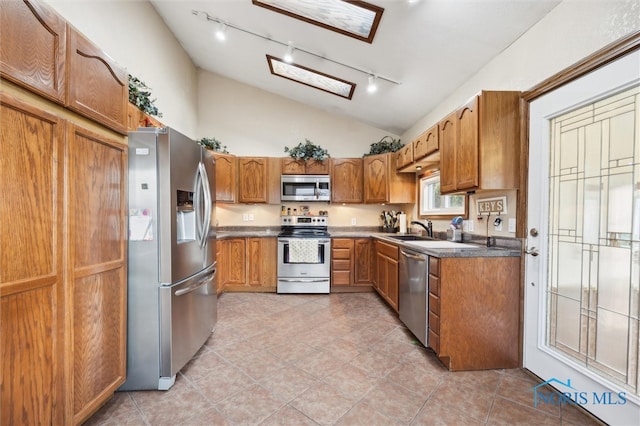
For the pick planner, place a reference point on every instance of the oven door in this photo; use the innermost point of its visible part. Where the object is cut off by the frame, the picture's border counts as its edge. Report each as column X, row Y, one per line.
column 304, row 257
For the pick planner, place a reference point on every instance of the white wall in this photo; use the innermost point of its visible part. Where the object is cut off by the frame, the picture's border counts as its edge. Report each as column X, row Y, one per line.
column 134, row 35
column 572, row 31
column 255, row 122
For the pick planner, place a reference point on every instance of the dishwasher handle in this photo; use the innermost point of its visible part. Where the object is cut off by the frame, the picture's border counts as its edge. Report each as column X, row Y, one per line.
column 418, row 257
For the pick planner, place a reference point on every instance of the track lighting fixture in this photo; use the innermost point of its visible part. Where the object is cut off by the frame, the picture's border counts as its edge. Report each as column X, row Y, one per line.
column 372, row 87
column 221, row 32
column 288, row 56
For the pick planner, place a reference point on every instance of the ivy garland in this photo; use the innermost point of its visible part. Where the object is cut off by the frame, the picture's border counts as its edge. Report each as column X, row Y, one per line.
column 213, row 144
column 386, row 144
column 307, row 151
column 140, row 96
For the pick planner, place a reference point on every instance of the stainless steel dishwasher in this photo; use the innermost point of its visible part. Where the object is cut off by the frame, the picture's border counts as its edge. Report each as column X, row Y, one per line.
column 414, row 292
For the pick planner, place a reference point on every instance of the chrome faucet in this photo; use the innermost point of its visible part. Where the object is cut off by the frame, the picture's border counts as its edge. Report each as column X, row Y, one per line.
column 428, row 227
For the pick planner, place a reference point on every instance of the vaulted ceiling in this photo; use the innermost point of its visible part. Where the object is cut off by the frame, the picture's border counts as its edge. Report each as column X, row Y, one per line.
column 421, row 52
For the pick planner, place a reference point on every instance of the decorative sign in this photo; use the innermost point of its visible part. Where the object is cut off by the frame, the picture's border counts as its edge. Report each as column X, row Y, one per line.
column 495, row 205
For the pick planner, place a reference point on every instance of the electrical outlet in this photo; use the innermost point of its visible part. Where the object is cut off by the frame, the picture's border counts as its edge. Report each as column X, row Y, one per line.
column 353, row 221
column 250, row 216
column 512, row 224
column 245, row 217
column 467, row 225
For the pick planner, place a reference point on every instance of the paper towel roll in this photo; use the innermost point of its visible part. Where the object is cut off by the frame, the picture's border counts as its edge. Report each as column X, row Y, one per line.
column 402, row 223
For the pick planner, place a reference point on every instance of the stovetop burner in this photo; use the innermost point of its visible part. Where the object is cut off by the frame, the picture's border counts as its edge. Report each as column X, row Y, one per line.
column 290, row 231
column 304, row 226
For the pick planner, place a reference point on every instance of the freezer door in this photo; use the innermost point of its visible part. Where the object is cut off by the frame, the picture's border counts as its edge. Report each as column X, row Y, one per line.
column 188, row 315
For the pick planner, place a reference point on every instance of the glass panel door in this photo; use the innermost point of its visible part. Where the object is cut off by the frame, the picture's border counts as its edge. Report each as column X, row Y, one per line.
column 594, row 245
column 582, row 271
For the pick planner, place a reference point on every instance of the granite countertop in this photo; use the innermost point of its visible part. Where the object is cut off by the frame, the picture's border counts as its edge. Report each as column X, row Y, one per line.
column 501, row 247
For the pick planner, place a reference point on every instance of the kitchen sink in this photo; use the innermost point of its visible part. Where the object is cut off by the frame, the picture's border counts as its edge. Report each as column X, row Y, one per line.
column 442, row 244
column 411, row 238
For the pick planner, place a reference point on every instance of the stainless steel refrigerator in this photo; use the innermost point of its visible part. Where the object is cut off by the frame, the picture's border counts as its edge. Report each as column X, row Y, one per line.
column 172, row 301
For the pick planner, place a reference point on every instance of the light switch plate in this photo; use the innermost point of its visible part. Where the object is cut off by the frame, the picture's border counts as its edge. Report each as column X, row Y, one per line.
column 467, row 225
column 512, row 224
column 353, row 221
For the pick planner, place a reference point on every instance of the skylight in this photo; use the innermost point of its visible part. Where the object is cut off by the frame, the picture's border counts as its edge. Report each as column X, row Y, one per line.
column 311, row 77
column 356, row 19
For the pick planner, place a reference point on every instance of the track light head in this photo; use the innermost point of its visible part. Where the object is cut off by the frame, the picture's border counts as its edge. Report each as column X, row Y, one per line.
column 372, row 87
column 221, row 32
column 288, row 56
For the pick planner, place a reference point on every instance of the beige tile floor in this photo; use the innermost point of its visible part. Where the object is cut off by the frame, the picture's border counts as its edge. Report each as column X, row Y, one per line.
column 342, row 359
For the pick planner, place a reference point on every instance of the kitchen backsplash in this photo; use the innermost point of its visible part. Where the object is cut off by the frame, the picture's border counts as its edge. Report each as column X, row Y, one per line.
column 233, row 215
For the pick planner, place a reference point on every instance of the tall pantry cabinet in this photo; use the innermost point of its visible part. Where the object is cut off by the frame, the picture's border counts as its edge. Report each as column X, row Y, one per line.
column 63, row 164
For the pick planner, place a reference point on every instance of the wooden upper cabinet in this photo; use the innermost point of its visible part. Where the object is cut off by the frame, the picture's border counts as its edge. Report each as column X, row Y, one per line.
column 404, row 156
column 423, row 155
column 426, row 143
column 447, row 135
column 253, row 175
column 38, row 65
column 259, row 180
column 299, row 167
column 226, row 177
column 480, row 144
column 467, row 146
column 383, row 185
column 97, row 87
column 347, row 180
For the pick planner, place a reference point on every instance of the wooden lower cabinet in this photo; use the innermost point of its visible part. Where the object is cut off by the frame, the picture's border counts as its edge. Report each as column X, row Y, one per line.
column 351, row 263
column 364, row 266
column 387, row 272
column 341, row 261
column 474, row 312
column 247, row 264
column 62, row 264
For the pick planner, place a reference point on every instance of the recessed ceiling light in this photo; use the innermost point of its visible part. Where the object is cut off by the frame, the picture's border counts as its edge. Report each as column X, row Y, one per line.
column 310, row 77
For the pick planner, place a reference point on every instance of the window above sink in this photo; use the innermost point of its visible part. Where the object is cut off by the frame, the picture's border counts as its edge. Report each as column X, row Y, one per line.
column 431, row 203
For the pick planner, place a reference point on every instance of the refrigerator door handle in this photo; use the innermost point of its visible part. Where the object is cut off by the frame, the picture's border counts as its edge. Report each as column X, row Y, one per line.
column 197, row 285
column 203, row 223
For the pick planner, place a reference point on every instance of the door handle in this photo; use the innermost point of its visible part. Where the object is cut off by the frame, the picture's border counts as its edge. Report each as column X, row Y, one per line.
column 532, row 251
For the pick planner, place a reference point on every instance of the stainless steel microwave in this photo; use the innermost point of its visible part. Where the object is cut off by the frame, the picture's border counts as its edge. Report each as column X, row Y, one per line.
column 305, row 188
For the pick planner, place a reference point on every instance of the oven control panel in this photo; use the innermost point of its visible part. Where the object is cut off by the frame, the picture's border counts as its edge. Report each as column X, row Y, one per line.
column 304, row 220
